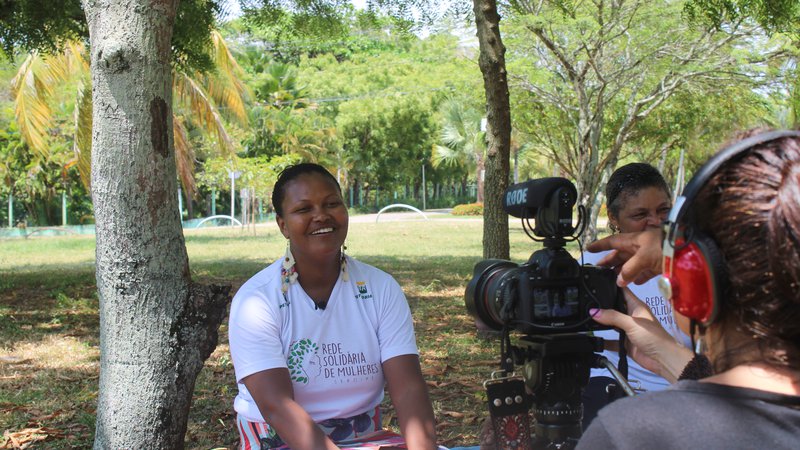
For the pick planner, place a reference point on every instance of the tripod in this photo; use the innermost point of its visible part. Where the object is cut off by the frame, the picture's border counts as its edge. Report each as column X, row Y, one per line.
column 555, row 370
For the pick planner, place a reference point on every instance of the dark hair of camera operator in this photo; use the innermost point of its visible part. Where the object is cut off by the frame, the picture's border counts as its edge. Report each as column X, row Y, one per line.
column 637, row 198
column 748, row 395
column 317, row 335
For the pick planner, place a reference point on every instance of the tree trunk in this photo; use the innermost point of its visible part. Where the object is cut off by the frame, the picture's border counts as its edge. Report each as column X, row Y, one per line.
column 593, row 202
column 516, row 165
column 156, row 326
column 480, row 179
column 498, row 128
column 189, row 207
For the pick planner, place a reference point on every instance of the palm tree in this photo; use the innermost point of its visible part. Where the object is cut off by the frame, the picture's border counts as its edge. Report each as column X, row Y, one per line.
column 284, row 124
column 277, row 86
column 33, row 87
column 197, row 101
column 464, row 141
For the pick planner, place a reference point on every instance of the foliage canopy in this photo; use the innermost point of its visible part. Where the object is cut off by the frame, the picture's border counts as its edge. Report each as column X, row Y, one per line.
column 47, row 25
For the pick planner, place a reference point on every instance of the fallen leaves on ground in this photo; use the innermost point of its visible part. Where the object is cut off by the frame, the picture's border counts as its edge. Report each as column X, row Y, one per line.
column 27, row 437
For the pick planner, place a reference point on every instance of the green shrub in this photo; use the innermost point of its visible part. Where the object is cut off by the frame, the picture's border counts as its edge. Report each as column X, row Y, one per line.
column 470, row 209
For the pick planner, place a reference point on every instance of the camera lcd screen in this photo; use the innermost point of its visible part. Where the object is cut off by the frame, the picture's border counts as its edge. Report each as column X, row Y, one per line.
column 556, row 302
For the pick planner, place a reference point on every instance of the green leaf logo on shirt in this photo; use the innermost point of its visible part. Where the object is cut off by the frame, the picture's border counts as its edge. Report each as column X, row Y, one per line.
column 299, row 353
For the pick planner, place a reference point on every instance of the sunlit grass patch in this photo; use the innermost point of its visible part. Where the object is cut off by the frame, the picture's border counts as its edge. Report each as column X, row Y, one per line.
column 48, row 388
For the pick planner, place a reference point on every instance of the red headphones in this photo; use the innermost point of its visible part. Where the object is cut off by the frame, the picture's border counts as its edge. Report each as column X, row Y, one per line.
column 695, row 275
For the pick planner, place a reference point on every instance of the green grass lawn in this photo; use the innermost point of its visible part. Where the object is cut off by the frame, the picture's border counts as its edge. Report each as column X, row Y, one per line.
column 49, row 357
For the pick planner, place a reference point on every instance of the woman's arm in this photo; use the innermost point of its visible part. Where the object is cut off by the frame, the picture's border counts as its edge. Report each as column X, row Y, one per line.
column 411, row 402
column 272, row 391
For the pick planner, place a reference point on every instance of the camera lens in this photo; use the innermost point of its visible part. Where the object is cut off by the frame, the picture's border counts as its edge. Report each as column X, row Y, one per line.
column 489, row 294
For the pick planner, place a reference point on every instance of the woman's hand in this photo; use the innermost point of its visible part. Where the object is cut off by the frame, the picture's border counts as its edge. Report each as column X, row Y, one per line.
column 648, row 343
column 637, row 255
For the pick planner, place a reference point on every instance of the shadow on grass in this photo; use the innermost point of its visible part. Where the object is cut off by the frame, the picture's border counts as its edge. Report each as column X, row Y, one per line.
column 46, row 277
column 53, row 276
column 54, row 407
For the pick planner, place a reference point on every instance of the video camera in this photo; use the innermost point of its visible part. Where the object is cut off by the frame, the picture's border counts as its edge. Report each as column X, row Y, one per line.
column 552, row 292
column 548, row 298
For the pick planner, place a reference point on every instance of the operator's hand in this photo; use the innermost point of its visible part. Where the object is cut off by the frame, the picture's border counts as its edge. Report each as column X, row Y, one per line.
column 637, row 256
column 648, row 343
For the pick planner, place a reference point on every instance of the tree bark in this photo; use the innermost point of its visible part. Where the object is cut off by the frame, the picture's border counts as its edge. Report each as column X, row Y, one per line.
column 156, row 326
column 480, row 179
column 498, row 128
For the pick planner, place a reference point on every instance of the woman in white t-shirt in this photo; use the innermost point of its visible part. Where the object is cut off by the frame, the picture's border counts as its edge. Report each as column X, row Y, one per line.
column 637, row 198
column 316, row 336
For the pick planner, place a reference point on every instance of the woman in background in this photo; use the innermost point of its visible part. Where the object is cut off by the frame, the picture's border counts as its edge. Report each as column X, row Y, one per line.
column 637, row 199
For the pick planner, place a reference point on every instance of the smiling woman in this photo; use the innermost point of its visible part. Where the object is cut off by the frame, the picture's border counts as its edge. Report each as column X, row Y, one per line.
column 313, row 217
column 316, row 336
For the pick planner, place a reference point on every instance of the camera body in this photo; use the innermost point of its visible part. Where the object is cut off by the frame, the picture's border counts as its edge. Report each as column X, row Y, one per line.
column 550, row 293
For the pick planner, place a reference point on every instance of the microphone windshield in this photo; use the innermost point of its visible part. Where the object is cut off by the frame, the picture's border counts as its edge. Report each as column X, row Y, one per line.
column 524, row 199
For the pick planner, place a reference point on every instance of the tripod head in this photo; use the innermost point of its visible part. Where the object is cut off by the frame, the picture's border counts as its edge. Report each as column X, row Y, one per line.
column 556, row 369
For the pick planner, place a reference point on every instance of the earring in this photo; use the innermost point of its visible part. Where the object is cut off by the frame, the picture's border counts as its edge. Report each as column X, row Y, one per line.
column 343, row 265
column 288, row 272
column 700, row 346
column 612, row 227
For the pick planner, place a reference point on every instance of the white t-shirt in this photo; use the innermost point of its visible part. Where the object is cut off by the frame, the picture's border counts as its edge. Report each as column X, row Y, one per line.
column 662, row 310
column 334, row 355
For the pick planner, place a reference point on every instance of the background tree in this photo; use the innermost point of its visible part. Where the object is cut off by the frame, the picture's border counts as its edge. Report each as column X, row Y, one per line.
column 386, row 141
column 595, row 70
column 384, row 105
column 200, row 95
column 464, row 141
column 157, row 327
column 694, row 122
column 41, row 77
column 207, row 103
column 776, row 17
column 41, row 169
column 285, row 121
column 498, row 127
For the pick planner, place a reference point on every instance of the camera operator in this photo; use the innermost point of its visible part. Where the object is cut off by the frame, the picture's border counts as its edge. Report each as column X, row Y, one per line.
column 732, row 265
column 637, row 199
